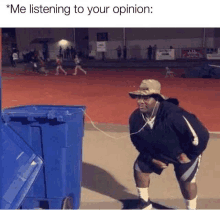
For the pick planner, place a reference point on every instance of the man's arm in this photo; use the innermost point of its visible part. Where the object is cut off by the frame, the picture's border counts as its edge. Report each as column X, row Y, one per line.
column 191, row 132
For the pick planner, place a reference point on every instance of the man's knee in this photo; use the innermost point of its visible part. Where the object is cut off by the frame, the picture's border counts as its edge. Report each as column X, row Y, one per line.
column 139, row 173
column 188, row 182
column 188, row 186
column 136, row 167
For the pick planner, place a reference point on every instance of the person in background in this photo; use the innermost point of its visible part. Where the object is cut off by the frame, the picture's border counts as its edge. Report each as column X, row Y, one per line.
column 61, row 52
column 78, row 65
column 73, row 52
column 150, row 49
column 35, row 61
column 125, row 52
column 59, row 65
column 154, row 51
column 14, row 58
column 64, row 54
column 43, row 67
column 119, row 52
column 67, row 53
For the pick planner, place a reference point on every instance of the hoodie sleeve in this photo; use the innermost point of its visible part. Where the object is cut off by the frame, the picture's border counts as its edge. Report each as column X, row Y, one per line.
column 192, row 133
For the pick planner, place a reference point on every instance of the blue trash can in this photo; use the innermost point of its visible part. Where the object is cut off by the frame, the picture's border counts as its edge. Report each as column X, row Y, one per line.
column 19, row 168
column 55, row 135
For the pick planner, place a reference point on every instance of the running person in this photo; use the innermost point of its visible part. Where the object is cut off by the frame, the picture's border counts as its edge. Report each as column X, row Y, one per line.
column 164, row 134
column 35, row 60
column 78, row 66
column 42, row 67
column 59, row 66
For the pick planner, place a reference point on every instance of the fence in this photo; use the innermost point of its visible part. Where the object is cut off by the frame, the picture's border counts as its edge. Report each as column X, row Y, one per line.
column 140, row 54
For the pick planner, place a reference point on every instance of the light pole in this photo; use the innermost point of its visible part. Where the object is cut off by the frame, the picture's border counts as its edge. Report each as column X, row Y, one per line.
column 124, row 36
column 124, row 47
column 204, row 43
column 74, row 35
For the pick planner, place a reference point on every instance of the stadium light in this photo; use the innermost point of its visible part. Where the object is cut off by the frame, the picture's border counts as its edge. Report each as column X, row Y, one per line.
column 63, row 42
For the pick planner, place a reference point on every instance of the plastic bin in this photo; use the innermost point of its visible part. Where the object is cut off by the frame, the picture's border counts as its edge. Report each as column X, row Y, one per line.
column 55, row 134
column 19, row 168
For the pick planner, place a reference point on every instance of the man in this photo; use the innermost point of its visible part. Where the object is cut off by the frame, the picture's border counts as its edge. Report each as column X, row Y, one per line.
column 119, row 52
column 67, row 52
column 61, row 52
column 164, row 134
column 14, row 58
column 125, row 52
column 154, row 51
column 150, row 50
column 73, row 52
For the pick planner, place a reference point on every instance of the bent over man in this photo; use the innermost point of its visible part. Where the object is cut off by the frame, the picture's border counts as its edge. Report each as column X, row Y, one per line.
column 164, row 133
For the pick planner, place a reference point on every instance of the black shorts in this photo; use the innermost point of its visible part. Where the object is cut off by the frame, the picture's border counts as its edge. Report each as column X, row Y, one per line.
column 184, row 172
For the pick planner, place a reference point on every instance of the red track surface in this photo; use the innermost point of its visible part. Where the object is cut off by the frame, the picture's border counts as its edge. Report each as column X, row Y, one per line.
column 105, row 93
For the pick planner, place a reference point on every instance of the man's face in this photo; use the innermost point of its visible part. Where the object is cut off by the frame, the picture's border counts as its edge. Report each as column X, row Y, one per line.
column 146, row 104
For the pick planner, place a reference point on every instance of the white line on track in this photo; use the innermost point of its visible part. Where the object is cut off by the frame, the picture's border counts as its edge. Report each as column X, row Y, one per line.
column 214, row 132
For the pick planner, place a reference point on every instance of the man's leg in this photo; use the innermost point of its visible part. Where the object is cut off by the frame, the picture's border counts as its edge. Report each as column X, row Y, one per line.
column 186, row 175
column 188, row 189
column 142, row 180
column 189, row 192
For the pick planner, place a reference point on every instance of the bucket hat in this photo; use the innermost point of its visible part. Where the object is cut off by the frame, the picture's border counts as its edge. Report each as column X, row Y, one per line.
column 146, row 88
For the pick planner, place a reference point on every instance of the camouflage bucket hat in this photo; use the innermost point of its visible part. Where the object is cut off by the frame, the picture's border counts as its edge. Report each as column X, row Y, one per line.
column 147, row 87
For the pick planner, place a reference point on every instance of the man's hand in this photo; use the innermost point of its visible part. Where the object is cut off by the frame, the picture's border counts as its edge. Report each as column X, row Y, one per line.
column 182, row 158
column 159, row 164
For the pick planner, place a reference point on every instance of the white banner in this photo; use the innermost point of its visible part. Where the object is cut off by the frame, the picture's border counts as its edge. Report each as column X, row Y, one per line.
column 165, row 54
column 213, row 56
column 101, row 46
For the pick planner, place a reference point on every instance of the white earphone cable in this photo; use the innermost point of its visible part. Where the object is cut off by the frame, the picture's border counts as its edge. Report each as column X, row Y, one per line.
column 146, row 122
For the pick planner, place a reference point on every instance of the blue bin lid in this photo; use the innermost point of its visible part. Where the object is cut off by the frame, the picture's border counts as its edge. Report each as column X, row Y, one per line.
column 61, row 113
column 19, row 168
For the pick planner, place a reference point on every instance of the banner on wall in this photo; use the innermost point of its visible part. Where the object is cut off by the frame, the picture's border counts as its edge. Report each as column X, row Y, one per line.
column 165, row 54
column 101, row 47
column 192, row 53
column 213, row 53
column 213, row 56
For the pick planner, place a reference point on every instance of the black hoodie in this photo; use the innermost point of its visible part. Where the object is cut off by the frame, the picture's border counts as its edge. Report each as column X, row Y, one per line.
column 175, row 131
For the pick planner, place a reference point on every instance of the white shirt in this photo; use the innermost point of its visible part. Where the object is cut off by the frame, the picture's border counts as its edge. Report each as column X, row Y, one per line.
column 15, row 56
column 149, row 122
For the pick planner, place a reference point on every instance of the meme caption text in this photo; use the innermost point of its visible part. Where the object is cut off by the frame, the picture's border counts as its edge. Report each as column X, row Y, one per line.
column 77, row 9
